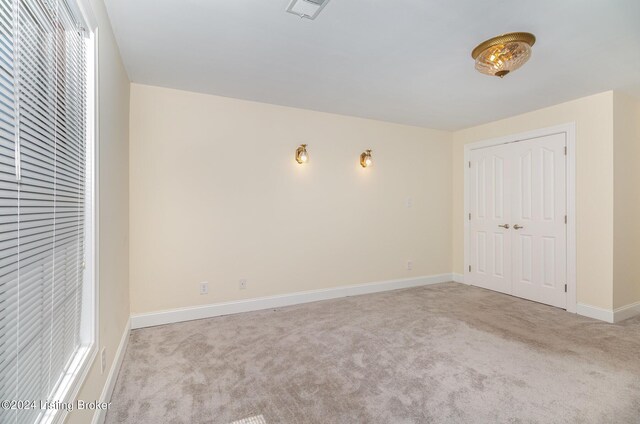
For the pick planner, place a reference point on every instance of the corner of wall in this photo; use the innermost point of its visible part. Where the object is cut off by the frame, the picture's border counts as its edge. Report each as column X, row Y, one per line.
column 626, row 145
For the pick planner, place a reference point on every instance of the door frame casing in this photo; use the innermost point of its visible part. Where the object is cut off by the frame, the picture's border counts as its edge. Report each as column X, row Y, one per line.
column 569, row 129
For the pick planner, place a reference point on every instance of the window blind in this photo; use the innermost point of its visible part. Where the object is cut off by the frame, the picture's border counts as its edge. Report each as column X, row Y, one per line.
column 43, row 182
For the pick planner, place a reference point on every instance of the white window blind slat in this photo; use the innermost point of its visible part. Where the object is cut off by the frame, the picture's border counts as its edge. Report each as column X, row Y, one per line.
column 7, row 162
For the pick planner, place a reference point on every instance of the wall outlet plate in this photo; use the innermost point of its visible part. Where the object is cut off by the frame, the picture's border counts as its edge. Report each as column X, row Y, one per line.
column 204, row 287
column 409, row 265
column 243, row 284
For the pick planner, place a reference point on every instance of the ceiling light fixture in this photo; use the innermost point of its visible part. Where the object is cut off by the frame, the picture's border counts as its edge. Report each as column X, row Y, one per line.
column 307, row 9
column 502, row 54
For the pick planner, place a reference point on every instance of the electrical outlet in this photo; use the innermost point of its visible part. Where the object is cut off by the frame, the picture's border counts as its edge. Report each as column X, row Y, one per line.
column 409, row 265
column 243, row 284
column 204, row 287
column 409, row 202
column 103, row 360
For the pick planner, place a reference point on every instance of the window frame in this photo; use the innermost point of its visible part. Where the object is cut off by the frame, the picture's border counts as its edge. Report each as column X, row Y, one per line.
column 71, row 383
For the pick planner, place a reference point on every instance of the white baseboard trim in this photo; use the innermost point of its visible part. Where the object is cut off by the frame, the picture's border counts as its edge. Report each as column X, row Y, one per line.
column 594, row 312
column 607, row 315
column 226, row 308
column 626, row 312
column 458, row 278
column 110, row 383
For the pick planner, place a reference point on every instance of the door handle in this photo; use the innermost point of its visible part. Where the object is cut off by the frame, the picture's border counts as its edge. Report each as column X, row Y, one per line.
column 505, row 226
column 517, row 227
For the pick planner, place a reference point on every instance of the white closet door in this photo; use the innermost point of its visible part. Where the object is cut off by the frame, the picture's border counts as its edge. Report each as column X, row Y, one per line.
column 538, row 208
column 490, row 246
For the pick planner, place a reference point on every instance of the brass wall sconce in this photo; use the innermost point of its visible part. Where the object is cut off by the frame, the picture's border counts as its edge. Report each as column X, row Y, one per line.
column 301, row 154
column 365, row 158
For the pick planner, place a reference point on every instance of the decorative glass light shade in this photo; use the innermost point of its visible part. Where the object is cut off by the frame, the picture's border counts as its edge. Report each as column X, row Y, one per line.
column 365, row 158
column 502, row 54
column 301, row 154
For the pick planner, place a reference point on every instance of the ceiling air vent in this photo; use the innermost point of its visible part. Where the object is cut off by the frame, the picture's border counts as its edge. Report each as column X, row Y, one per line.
column 307, row 9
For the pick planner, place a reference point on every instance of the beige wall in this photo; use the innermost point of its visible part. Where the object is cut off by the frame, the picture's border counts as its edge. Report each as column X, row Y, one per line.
column 626, row 126
column 593, row 117
column 114, row 208
column 216, row 196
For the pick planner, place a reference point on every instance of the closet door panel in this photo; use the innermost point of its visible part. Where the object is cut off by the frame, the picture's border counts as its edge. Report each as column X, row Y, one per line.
column 490, row 240
column 538, row 211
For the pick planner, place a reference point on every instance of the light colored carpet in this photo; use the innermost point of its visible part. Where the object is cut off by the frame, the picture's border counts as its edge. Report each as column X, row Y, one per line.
column 446, row 353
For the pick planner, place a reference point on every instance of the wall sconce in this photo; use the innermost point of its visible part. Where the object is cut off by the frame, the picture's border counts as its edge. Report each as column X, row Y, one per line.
column 365, row 158
column 301, row 154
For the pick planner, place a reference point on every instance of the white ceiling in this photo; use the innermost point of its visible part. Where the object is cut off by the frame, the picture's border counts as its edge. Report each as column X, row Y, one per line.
column 405, row 61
